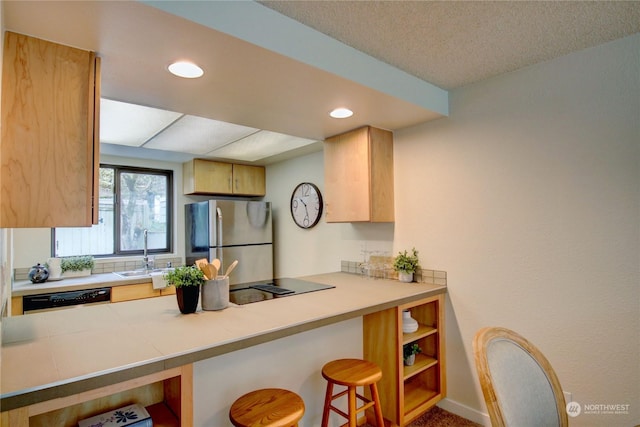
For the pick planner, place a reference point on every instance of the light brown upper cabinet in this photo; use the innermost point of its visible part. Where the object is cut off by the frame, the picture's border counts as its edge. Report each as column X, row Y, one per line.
column 50, row 134
column 249, row 180
column 202, row 176
column 358, row 176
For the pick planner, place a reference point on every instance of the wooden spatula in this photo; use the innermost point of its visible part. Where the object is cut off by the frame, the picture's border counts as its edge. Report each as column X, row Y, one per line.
column 200, row 262
column 209, row 270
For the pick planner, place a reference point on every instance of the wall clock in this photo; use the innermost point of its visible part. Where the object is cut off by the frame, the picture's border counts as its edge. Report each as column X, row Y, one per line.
column 306, row 205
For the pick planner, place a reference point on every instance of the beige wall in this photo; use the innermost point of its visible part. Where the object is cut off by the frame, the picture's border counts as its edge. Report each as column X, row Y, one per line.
column 528, row 196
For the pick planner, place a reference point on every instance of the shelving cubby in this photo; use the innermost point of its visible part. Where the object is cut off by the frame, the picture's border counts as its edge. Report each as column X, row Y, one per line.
column 408, row 391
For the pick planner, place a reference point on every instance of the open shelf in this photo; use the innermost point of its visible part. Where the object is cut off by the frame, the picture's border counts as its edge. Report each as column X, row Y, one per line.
column 162, row 416
column 422, row 362
column 423, row 331
column 417, row 395
column 167, row 395
column 407, row 392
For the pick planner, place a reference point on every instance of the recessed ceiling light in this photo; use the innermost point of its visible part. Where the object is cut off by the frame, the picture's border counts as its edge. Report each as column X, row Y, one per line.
column 186, row 69
column 341, row 113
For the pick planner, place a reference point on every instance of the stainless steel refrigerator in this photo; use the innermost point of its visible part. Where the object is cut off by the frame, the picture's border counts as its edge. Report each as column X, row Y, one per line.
column 230, row 230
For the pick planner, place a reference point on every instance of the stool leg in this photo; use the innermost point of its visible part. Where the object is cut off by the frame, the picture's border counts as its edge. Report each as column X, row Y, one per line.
column 377, row 408
column 327, row 404
column 353, row 416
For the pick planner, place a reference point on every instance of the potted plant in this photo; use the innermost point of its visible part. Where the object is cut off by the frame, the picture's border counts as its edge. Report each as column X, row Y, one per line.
column 406, row 265
column 77, row 266
column 187, row 280
column 409, row 352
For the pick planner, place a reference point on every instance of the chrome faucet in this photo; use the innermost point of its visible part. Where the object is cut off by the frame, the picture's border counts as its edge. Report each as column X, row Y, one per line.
column 145, row 256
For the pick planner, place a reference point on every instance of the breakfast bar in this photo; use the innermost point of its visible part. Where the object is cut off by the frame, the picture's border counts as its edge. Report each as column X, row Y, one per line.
column 53, row 356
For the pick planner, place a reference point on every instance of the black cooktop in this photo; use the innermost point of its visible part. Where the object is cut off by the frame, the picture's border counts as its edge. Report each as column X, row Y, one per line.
column 245, row 293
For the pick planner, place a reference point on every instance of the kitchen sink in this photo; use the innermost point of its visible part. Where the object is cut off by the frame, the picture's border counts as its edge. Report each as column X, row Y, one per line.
column 140, row 273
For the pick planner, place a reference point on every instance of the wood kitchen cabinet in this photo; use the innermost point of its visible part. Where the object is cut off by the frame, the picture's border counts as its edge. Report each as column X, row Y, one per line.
column 407, row 392
column 249, row 180
column 201, row 176
column 50, row 134
column 138, row 291
column 358, row 171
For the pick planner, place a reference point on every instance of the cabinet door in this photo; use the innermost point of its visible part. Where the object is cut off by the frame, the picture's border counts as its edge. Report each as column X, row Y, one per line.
column 381, row 175
column 249, row 180
column 49, row 152
column 346, row 174
column 207, row 177
column 133, row 292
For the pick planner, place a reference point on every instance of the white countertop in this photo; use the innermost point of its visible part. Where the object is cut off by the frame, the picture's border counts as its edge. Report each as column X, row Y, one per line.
column 59, row 353
column 25, row 287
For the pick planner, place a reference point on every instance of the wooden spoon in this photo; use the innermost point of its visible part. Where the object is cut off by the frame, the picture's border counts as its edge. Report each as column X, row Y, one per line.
column 214, row 270
column 201, row 263
column 230, row 268
column 216, row 263
column 210, row 272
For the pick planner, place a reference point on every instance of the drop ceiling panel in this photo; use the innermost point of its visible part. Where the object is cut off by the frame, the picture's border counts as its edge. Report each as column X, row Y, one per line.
column 260, row 145
column 198, row 135
column 130, row 124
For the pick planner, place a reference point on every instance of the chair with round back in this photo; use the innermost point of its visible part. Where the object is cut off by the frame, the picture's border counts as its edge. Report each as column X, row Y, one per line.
column 519, row 385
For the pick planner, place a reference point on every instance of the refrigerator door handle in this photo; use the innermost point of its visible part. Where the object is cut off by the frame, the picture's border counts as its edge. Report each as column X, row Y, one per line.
column 219, row 233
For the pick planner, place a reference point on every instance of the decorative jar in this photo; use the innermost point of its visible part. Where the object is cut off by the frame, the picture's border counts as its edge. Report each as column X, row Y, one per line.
column 409, row 324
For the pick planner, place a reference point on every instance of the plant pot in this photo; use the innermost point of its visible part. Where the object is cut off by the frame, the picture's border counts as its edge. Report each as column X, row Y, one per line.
column 215, row 294
column 77, row 273
column 405, row 277
column 410, row 360
column 188, row 297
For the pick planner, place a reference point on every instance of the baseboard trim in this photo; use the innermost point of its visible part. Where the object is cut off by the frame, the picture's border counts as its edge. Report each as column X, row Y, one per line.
column 465, row 411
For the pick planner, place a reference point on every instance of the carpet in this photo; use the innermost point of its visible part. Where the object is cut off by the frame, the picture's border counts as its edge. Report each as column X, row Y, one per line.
column 437, row 417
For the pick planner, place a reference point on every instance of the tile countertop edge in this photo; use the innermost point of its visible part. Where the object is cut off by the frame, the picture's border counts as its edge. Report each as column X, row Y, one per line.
column 24, row 287
column 29, row 396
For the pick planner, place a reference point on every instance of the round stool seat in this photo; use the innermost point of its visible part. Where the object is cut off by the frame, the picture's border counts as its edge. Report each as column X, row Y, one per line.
column 269, row 407
column 352, row 372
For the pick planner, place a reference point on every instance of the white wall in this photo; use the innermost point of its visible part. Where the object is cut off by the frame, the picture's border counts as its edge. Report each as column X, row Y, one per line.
column 528, row 195
column 321, row 248
column 293, row 363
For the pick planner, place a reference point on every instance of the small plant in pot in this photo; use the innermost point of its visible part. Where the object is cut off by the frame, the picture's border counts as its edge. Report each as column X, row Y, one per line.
column 406, row 265
column 187, row 280
column 76, row 265
column 409, row 352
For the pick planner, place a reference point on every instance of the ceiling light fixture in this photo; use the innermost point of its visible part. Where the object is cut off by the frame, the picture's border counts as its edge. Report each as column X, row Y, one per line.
column 341, row 113
column 186, row 69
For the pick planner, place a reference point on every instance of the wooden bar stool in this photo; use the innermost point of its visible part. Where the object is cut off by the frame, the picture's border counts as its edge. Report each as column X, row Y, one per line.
column 269, row 407
column 352, row 373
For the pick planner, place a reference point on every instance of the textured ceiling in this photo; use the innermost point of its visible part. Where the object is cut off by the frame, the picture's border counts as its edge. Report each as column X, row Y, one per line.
column 454, row 43
column 267, row 71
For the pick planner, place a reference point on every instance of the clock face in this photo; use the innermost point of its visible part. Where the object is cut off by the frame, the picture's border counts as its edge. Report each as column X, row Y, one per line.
column 306, row 205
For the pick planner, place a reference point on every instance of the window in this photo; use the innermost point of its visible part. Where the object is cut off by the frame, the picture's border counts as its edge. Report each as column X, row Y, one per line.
column 130, row 201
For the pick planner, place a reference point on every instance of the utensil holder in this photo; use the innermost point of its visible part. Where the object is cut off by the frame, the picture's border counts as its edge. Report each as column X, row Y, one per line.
column 215, row 294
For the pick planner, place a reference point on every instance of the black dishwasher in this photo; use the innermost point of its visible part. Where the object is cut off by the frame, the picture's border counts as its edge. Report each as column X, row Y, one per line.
column 44, row 302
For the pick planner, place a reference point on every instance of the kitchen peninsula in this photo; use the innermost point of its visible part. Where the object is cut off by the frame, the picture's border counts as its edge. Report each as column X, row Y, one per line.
column 51, row 357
